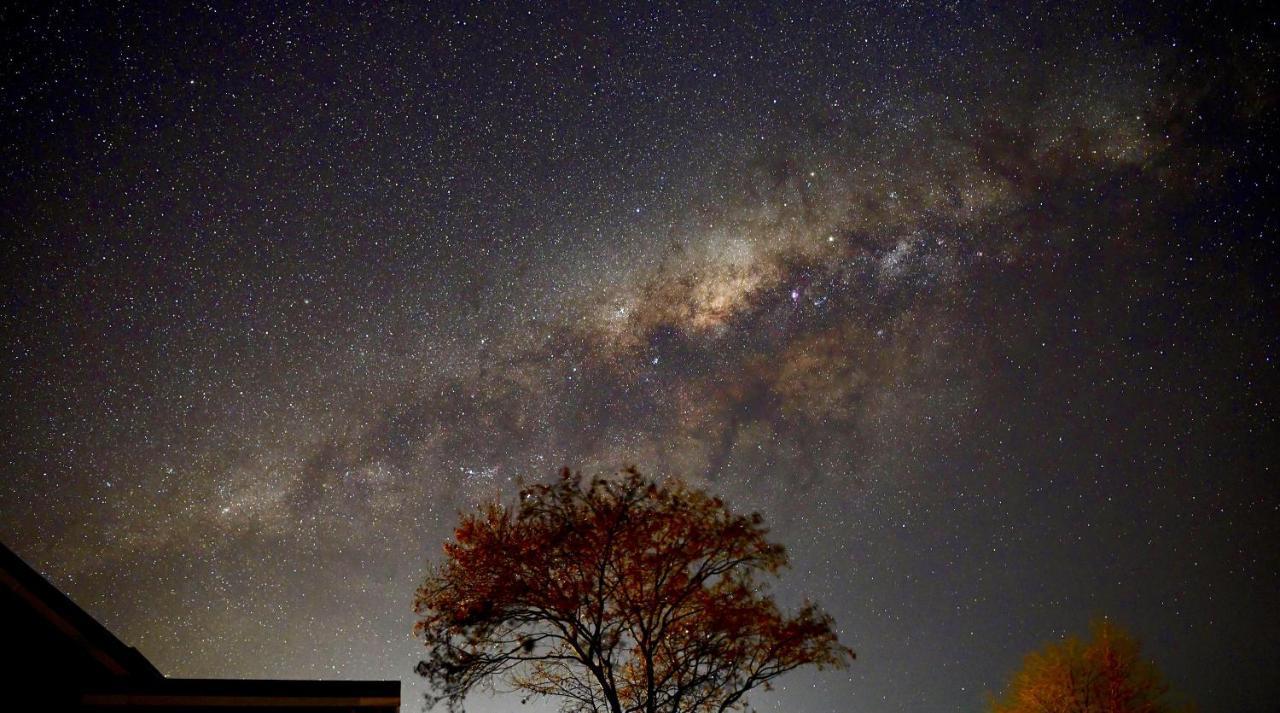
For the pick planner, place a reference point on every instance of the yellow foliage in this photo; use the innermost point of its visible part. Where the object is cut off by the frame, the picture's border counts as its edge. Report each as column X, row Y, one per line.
column 1105, row 674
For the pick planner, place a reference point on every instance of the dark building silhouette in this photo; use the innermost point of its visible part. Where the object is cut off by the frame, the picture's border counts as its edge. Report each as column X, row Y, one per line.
column 54, row 656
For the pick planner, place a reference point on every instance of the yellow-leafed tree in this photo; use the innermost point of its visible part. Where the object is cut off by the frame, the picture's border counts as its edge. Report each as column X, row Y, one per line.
column 1106, row 674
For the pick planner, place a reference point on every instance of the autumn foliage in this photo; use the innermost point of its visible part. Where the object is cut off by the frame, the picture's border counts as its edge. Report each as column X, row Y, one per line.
column 614, row 594
column 1103, row 675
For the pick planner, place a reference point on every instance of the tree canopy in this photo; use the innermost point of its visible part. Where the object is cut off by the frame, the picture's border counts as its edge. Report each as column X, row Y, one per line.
column 1105, row 674
column 616, row 594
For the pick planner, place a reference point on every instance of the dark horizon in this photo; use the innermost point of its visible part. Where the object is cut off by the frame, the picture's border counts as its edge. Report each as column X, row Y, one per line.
column 976, row 304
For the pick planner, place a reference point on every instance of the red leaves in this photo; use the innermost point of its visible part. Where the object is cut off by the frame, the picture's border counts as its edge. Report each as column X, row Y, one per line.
column 618, row 594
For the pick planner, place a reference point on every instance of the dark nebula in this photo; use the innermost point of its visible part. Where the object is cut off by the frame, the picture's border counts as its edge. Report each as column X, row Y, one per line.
column 975, row 303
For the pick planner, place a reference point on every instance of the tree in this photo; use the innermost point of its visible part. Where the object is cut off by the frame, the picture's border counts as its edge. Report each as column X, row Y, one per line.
column 1103, row 675
column 617, row 594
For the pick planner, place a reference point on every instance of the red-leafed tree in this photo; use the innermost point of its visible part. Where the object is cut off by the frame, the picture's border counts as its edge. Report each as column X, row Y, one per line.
column 614, row 594
column 1106, row 674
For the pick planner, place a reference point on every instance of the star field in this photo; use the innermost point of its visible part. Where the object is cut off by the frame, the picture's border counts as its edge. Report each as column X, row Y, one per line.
column 974, row 303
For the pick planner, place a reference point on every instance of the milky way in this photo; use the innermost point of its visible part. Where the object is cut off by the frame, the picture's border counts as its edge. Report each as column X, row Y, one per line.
column 974, row 304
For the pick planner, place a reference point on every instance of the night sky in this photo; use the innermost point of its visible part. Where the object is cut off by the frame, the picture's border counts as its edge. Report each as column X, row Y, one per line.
column 976, row 304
